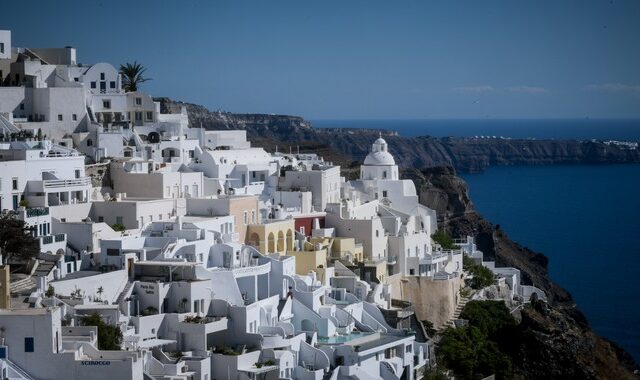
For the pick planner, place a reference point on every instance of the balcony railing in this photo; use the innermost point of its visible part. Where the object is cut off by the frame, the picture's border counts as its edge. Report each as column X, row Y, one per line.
column 37, row 211
column 62, row 183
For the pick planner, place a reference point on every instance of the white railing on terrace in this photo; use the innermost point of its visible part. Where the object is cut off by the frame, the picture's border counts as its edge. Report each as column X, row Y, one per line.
column 61, row 183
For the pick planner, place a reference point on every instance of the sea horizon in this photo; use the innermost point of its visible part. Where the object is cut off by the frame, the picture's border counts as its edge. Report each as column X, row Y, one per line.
column 627, row 129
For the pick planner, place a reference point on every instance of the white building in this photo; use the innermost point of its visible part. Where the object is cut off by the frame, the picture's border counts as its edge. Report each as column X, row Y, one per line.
column 41, row 174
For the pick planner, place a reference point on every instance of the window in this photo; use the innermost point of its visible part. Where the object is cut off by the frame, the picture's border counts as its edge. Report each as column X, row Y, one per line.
column 253, row 216
column 93, row 84
column 112, row 84
column 106, row 104
column 384, row 174
column 149, row 115
column 1, row 47
column 118, row 219
column 74, row 117
column 246, row 218
column 89, row 142
column 384, row 193
column 59, row 117
column 101, row 76
column 76, row 79
column 138, row 116
column 138, row 101
column 28, row 344
column 113, row 252
column 377, row 233
column 101, row 219
column 21, row 106
column 408, row 349
column 14, row 183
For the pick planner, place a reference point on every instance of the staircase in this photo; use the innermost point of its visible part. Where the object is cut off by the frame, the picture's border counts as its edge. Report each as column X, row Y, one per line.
column 125, row 292
column 24, row 286
column 44, row 268
column 456, row 314
column 15, row 372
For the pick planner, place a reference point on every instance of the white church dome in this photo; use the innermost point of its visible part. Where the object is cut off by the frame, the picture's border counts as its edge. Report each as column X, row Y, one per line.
column 379, row 154
column 379, row 158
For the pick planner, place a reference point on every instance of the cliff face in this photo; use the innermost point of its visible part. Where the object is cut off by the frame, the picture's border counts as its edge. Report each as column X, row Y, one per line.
column 554, row 341
column 464, row 154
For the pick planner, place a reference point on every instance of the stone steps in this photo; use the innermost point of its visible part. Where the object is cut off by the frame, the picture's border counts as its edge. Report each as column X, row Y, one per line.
column 23, row 285
column 456, row 314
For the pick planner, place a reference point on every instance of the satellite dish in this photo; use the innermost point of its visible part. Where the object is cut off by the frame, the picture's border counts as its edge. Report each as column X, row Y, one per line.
column 154, row 137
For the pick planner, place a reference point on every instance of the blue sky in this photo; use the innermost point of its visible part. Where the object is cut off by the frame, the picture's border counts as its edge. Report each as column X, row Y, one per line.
column 361, row 59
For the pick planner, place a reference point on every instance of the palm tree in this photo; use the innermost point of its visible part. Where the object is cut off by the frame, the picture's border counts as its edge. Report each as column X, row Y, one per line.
column 100, row 291
column 132, row 75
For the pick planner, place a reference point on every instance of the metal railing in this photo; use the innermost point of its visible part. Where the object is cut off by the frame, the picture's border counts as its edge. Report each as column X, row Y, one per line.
column 37, row 211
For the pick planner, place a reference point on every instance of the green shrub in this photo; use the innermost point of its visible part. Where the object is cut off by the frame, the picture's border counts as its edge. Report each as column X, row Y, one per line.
column 428, row 327
column 118, row 227
column 482, row 276
column 434, row 373
column 109, row 337
column 480, row 349
column 50, row 291
column 444, row 240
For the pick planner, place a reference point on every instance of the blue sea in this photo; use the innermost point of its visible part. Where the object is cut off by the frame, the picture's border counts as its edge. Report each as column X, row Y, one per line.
column 584, row 129
column 583, row 217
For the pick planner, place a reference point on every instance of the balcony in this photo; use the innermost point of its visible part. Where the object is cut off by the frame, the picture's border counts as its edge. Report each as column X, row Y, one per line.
column 53, row 184
column 203, row 325
column 37, row 211
column 436, row 257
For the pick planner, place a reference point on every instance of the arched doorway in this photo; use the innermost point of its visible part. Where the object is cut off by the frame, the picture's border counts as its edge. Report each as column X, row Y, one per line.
column 289, row 240
column 281, row 241
column 271, row 243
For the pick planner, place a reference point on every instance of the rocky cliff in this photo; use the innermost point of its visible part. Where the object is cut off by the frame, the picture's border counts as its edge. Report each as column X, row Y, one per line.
column 554, row 341
column 464, row 154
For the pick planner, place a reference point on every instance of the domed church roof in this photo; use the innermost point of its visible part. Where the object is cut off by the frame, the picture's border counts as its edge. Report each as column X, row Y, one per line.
column 379, row 154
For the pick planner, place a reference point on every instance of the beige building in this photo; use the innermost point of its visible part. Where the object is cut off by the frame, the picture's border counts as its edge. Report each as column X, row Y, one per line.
column 244, row 209
column 273, row 237
column 345, row 248
column 312, row 256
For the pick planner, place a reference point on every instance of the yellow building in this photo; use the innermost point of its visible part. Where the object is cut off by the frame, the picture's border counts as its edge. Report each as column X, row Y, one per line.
column 5, row 287
column 272, row 236
column 347, row 249
column 313, row 255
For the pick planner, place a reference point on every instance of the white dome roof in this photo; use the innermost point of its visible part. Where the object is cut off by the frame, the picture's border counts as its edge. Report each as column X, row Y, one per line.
column 380, row 141
column 379, row 158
